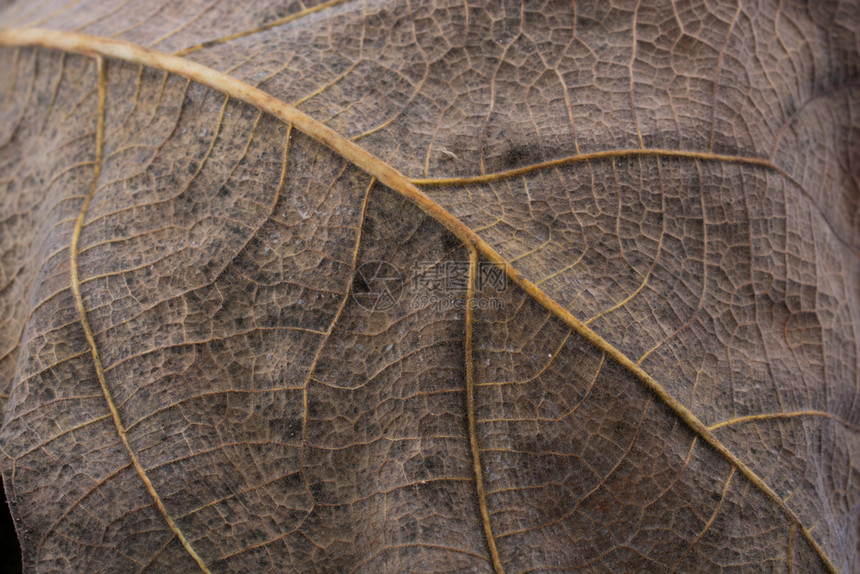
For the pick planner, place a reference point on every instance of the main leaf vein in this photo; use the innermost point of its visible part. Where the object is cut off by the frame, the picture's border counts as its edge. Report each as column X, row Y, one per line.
column 387, row 175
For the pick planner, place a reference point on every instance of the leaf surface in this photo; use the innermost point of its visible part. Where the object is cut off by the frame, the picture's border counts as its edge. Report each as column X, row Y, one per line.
column 618, row 248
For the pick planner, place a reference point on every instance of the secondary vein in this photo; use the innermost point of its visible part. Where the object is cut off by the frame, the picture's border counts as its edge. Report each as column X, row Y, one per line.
column 88, row 331
column 471, row 415
column 101, row 47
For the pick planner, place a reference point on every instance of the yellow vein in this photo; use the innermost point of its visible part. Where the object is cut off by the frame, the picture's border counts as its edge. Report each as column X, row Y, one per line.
column 701, row 302
column 593, row 156
column 85, row 323
column 263, row 28
column 387, row 175
column 628, row 153
column 772, row 416
column 791, row 533
column 327, row 336
column 710, row 521
column 647, row 276
column 471, row 415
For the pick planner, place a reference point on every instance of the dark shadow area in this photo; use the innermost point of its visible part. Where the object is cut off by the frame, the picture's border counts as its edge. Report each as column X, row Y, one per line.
column 10, row 552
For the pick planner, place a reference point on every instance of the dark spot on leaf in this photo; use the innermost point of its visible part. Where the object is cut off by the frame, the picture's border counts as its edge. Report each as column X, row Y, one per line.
column 207, row 268
column 583, row 23
column 291, row 482
column 519, row 155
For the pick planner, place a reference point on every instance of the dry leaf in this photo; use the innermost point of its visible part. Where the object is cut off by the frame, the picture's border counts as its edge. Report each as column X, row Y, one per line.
column 431, row 286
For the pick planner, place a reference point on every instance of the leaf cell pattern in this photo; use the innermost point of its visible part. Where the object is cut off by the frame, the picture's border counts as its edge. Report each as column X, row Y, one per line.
column 666, row 379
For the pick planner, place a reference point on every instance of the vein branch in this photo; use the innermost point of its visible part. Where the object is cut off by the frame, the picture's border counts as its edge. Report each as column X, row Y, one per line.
column 88, row 331
column 710, row 522
column 470, row 411
column 593, row 156
column 263, row 28
column 389, row 176
column 779, row 416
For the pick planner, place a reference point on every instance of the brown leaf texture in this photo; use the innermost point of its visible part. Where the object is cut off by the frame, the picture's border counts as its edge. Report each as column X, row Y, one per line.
column 619, row 244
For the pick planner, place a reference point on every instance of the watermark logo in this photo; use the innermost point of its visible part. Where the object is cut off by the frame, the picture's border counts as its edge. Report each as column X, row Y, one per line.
column 377, row 286
column 380, row 286
column 453, row 277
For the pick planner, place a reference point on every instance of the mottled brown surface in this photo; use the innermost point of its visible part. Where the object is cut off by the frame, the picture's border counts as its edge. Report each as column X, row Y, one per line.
column 285, row 427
